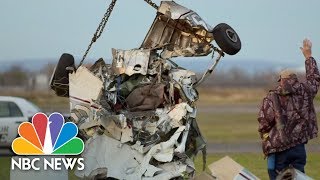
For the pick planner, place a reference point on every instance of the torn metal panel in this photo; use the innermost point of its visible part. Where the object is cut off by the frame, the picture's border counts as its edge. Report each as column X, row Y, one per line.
column 183, row 77
column 170, row 117
column 100, row 152
column 79, row 112
column 83, row 113
column 116, row 126
column 165, row 155
column 179, row 31
column 182, row 146
column 161, row 148
column 84, row 85
column 163, row 123
column 141, row 148
column 114, row 130
column 126, row 135
column 120, row 120
column 292, row 173
column 130, row 61
column 185, row 80
column 163, row 152
column 227, row 168
column 177, row 113
column 176, row 11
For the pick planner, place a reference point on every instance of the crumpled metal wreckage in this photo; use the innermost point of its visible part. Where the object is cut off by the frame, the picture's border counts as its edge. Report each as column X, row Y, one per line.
column 179, row 32
column 138, row 114
column 137, row 126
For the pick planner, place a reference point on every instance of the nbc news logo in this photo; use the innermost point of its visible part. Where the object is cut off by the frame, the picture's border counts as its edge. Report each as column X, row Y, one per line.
column 47, row 136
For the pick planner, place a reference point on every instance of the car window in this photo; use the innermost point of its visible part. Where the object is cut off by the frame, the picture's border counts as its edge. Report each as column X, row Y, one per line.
column 4, row 109
column 14, row 110
column 9, row 109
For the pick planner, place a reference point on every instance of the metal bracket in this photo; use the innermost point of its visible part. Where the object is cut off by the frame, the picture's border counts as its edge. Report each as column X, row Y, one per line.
column 212, row 67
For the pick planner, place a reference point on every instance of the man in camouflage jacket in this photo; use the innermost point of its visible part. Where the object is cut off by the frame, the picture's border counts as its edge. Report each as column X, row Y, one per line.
column 287, row 118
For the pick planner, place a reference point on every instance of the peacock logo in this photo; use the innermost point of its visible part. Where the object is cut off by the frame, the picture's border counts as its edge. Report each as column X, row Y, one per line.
column 47, row 136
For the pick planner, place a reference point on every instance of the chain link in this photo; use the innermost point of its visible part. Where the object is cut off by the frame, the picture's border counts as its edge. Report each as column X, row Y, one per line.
column 152, row 4
column 103, row 23
column 100, row 29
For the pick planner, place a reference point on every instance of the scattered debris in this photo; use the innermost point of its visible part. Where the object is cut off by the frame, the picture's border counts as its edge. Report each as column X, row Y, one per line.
column 227, row 168
column 292, row 174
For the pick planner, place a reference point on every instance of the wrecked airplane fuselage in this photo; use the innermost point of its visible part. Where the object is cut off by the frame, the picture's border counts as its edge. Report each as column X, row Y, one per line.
column 138, row 114
column 138, row 126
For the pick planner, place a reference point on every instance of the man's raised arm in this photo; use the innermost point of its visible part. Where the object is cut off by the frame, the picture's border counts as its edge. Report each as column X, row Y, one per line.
column 312, row 72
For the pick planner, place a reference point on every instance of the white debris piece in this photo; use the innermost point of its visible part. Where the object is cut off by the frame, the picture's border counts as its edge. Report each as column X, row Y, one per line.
column 227, row 168
column 131, row 61
column 183, row 77
column 176, row 11
column 84, row 85
column 114, row 130
column 182, row 146
column 177, row 113
column 104, row 152
column 126, row 135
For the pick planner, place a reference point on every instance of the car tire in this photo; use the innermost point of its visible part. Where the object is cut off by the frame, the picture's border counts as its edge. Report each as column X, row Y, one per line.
column 227, row 38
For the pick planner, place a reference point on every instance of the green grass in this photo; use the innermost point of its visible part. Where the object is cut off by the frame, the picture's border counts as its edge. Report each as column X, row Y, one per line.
column 218, row 96
column 232, row 127
column 255, row 163
column 229, row 128
column 4, row 168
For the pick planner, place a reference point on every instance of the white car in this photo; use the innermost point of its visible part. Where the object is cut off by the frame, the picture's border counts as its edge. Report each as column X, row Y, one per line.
column 13, row 111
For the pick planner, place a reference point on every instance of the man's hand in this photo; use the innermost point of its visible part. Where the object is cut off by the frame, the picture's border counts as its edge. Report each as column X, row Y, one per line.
column 306, row 49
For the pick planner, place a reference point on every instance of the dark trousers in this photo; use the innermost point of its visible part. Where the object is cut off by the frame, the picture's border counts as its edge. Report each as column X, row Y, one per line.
column 294, row 157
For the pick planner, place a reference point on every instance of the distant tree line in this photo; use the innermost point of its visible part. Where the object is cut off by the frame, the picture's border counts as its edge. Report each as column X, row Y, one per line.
column 234, row 77
column 18, row 77
column 14, row 76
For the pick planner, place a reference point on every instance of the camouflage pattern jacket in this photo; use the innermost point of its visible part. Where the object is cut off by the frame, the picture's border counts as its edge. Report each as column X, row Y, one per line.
column 286, row 121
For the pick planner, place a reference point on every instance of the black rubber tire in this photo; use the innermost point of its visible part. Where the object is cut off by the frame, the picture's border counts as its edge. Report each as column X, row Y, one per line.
column 66, row 60
column 227, row 38
column 61, row 75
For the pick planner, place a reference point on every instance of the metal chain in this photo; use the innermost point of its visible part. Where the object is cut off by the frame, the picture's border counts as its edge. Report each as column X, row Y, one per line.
column 100, row 29
column 152, row 4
